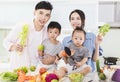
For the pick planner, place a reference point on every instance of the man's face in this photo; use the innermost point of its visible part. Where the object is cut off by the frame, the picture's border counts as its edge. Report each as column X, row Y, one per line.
column 42, row 16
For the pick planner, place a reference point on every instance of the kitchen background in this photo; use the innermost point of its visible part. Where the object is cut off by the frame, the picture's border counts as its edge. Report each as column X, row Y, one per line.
column 97, row 14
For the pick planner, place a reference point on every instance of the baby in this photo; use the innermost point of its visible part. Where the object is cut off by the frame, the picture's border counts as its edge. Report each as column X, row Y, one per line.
column 77, row 56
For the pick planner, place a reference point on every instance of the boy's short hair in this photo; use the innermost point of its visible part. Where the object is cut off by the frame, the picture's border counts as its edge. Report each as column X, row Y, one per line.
column 54, row 24
column 44, row 5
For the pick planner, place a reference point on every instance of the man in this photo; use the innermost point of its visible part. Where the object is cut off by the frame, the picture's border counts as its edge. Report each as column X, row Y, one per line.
column 37, row 32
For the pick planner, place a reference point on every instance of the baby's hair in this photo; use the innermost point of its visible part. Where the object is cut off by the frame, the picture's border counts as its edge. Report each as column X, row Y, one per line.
column 54, row 24
column 80, row 30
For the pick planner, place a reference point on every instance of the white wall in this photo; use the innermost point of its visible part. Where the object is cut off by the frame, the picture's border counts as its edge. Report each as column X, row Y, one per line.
column 111, row 43
column 109, row 11
column 16, row 11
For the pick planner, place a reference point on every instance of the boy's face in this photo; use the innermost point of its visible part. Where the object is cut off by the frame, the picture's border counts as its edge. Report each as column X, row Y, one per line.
column 53, row 33
column 78, row 38
column 42, row 16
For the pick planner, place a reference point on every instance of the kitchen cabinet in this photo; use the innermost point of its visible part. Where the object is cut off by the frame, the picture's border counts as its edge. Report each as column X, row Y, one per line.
column 4, row 55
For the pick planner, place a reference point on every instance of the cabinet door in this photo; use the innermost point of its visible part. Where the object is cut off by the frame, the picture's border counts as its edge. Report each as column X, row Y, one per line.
column 106, row 11
column 4, row 55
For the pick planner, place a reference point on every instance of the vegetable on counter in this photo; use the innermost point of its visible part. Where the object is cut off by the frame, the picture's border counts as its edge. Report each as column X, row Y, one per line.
column 104, row 29
column 23, row 68
column 101, row 75
column 116, row 76
column 32, row 68
column 76, row 77
column 8, row 76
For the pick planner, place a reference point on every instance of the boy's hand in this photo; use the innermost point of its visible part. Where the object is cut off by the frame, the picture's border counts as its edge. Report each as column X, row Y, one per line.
column 40, row 53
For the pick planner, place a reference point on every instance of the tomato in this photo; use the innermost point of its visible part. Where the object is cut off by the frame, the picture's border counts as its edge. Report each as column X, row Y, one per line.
column 42, row 70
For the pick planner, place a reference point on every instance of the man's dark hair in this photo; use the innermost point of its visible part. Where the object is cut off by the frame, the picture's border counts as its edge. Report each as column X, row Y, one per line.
column 44, row 5
column 54, row 24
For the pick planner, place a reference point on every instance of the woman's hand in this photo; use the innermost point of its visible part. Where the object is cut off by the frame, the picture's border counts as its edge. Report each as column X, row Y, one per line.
column 98, row 40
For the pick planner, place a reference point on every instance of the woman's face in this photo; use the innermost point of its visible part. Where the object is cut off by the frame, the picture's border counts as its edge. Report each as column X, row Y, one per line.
column 75, row 20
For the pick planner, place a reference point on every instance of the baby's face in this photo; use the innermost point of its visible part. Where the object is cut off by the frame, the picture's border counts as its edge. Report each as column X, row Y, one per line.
column 78, row 38
column 53, row 33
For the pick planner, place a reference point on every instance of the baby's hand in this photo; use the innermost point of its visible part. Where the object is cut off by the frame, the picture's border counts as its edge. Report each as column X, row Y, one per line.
column 72, row 52
column 78, row 64
column 57, row 59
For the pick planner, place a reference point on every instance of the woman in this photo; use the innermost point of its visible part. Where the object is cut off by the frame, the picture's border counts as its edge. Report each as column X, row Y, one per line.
column 77, row 19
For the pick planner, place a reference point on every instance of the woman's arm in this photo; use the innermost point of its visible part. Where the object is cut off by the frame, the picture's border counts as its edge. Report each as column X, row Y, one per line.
column 97, row 46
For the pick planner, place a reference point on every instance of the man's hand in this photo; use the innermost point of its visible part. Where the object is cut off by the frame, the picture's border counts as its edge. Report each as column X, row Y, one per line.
column 16, row 47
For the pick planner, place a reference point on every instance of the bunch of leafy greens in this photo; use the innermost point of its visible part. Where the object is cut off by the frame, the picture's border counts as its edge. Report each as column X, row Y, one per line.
column 8, row 76
column 104, row 29
column 23, row 35
column 23, row 68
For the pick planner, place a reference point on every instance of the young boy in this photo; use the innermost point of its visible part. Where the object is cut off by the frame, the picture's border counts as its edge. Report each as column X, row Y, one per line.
column 76, row 61
column 52, row 46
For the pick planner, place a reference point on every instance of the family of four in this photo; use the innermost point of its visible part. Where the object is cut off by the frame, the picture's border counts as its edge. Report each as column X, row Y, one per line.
column 84, row 46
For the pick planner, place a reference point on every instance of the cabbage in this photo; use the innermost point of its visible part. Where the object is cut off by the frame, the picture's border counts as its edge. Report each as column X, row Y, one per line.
column 50, row 77
column 8, row 76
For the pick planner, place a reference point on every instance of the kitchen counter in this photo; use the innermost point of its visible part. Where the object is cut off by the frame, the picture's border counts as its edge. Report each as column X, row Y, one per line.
column 114, row 24
column 4, row 67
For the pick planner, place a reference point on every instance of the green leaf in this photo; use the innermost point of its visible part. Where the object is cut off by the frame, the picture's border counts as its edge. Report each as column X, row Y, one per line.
column 104, row 29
